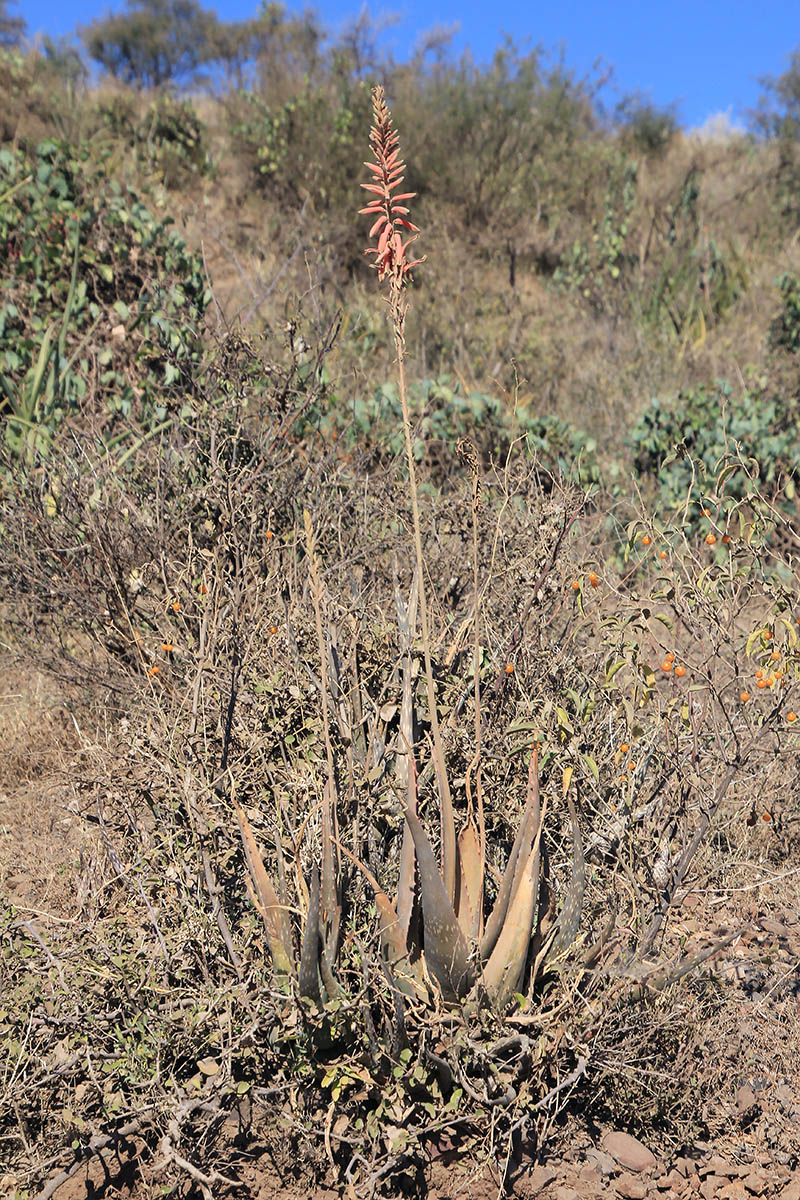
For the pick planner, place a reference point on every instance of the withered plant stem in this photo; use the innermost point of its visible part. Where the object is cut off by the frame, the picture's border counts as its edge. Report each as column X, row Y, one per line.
column 329, row 801
column 475, row 765
column 398, row 312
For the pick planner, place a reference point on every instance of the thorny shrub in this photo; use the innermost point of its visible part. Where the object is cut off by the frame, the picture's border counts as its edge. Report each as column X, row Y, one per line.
column 103, row 303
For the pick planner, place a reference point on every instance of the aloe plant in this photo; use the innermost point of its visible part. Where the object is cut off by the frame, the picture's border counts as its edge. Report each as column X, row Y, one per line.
column 459, row 950
column 440, row 957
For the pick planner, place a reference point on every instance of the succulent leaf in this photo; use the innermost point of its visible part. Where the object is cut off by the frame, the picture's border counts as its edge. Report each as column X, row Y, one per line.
column 446, row 951
column 265, row 899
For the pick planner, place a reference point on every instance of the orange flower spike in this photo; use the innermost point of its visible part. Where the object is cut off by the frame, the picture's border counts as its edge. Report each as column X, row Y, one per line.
column 391, row 216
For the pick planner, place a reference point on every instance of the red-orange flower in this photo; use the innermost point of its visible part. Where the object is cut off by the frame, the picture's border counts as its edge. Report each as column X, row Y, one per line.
column 391, row 215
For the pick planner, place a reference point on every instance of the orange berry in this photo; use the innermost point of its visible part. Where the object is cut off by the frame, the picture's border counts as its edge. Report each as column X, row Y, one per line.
column 759, row 674
column 791, row 717
column 671, row 656
column 680, row 672
column 154, row 670
column 631, row 766
column 775, row 655
column 202, row 589
column 176, row 606
column 766, row 816
column 167, row 647
column 779, row 674
column 509, row 668
column 594, row 579
column 646, row 539
column 575, row 585
column 707, row 512
column 666, row 666
column 744, row 697
column 762, row 683
column 711, row 539
column 767, row 635
column 269, row 535
column 770, row 681
column 662, row 554
column 273, row 629
column 624, row 747
column 726, row 537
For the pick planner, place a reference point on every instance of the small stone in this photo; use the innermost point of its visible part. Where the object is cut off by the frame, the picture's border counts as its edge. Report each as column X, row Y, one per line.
column 541, row 1177
column 711, row 1185
column 756, row 1183
column 629, row 1186
column 735, row 1190
column 684, row 1166
column 791, row 1191
column 604, row 1162
column 719, row 1166
column 589, row 1172
column 745, row 1098
column 566, row 1193
column 628, row 1151
column 673, row 1180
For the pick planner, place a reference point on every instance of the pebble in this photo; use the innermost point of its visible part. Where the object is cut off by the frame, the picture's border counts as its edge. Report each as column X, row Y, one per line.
column 628, row 1151
column 711, row 1185
column 604, row 1162
column 735, row 1190
column 629, row 1186
column 719, row 1166
column 540, row 1177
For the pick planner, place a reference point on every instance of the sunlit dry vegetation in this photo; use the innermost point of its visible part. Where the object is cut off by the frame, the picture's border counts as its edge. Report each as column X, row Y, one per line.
column 426, row 638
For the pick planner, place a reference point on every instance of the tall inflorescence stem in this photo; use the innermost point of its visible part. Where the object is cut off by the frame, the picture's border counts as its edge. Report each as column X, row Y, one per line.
column 395, row 233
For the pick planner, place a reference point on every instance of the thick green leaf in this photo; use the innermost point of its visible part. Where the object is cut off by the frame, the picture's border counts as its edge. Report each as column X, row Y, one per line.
column 469, row 883
column 446, row 951
column 519, row 852
column 308, row 975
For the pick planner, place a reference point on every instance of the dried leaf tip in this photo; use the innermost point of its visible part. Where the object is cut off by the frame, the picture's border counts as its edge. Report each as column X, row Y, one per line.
column 391, row 216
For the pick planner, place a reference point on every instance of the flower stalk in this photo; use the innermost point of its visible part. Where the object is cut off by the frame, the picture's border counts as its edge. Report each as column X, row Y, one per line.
column 395, row 233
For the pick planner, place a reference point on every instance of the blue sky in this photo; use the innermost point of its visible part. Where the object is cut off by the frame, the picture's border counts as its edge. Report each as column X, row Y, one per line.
column 705, row 56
